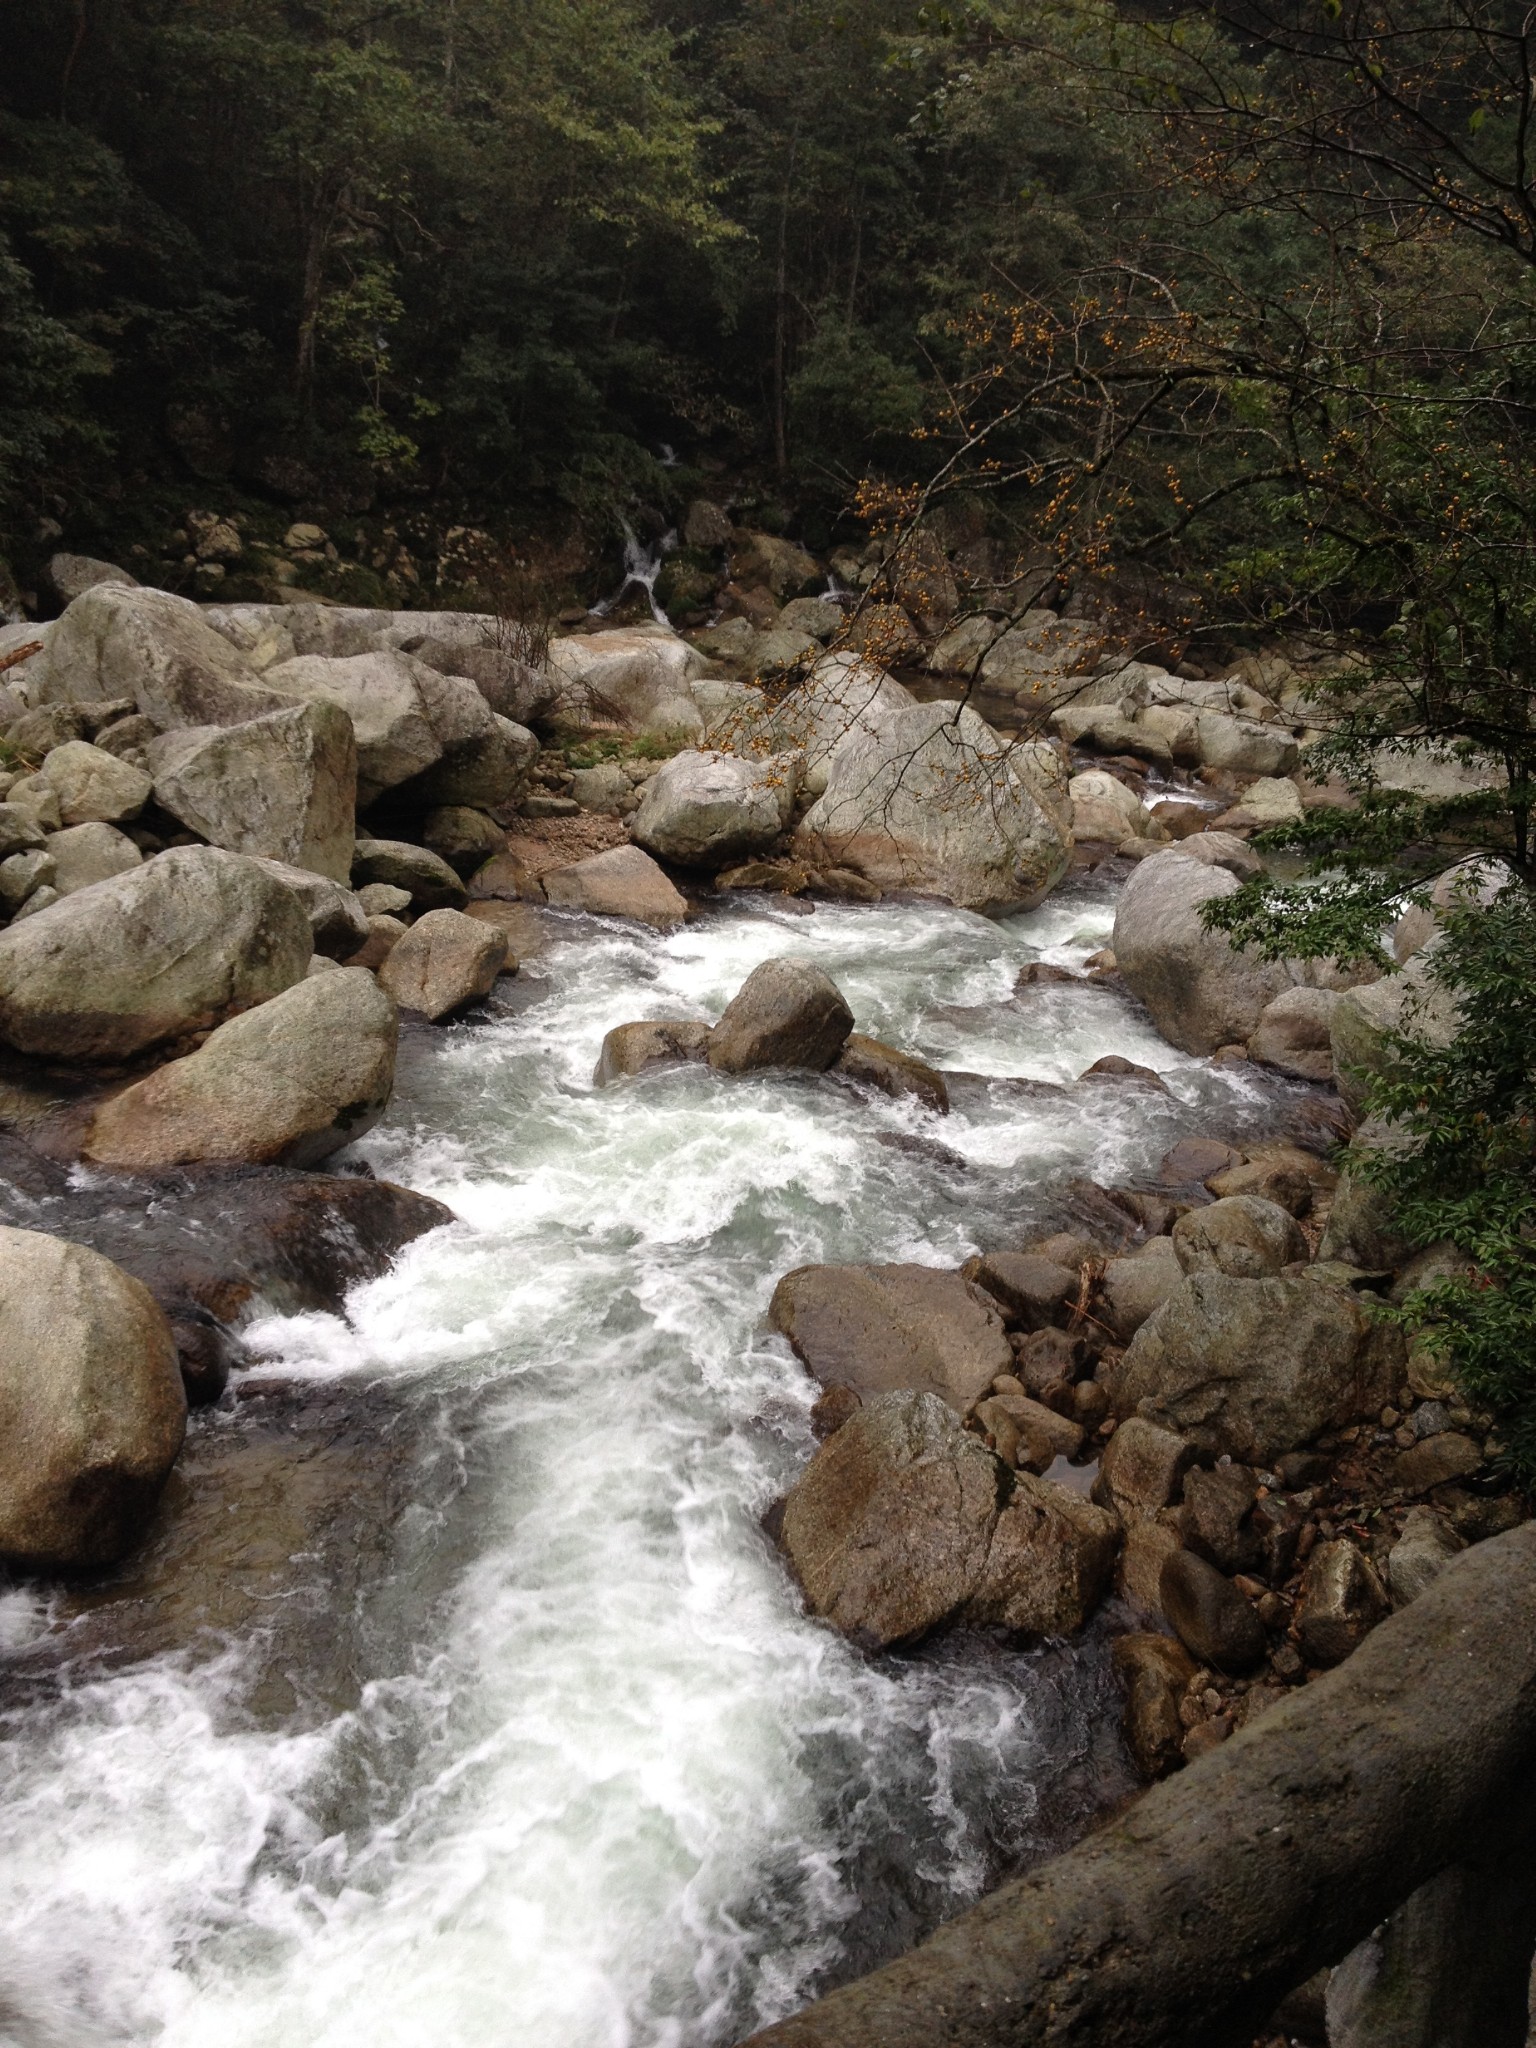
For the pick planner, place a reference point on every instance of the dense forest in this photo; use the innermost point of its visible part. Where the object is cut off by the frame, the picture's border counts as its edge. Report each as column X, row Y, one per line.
column 1212, row 292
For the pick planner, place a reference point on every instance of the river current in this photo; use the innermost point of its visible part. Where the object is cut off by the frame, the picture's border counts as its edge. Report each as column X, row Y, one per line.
column 594, row 1780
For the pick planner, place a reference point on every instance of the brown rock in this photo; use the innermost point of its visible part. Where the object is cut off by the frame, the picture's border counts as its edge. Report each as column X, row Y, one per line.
column 1142, row 1470
column 873, row 1065
column 785, row 1014
column 1047, row 1358
column 1193, row 1161
column 1154, row 1671
column 630, row 1049
column 1148, row 1547
column 1032, row 1290
column 1049, row 1564
column 1342, row 1599
column 1136, row 1286
column 92, row 1411
column 1214, row 1518
column 443, row 962
column 622, row 882
column 1210, row 1616
column 880, row 1329
column 1435, row 1462
column 384, row 934
column 1039, row 1435
column 1242, row 1235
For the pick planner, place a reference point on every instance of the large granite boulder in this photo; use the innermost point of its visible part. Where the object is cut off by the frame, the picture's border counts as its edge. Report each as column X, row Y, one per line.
column 116, row 642
column 1201, row 991
column 283, row 1085
column 843, row 694
column 934, row 800
column 629, row 675
column 382, row 695
column 283, row 786
column 1254, row 1368
column 904, row 1520
column 1243, row 1235
column 444, row 962
column 1294, row 1033
column 705, row 809
column 1244, row 746
column 786, row 1013
column 622, row 882
column 174, row 946
column 92, row 1411
column 886, row 1329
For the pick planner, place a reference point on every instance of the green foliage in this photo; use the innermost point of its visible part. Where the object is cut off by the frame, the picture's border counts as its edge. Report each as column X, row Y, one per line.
column 1468, row 1174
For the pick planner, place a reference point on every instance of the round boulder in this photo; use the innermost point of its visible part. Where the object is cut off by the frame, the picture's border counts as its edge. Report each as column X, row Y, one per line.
column 1243, row 1235
column 92, row 1409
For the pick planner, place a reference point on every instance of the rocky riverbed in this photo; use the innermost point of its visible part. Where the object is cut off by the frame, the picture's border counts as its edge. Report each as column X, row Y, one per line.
column 458, row 1677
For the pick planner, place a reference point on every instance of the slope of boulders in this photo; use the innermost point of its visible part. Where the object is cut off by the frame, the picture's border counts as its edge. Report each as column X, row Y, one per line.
column 1194, row 1406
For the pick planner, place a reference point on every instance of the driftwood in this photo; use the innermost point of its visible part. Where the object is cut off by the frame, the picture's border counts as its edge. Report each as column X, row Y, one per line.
column 1185, row 1921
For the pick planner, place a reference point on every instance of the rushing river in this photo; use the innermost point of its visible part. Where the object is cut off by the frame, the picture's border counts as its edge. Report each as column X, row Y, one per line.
column 593, row 1781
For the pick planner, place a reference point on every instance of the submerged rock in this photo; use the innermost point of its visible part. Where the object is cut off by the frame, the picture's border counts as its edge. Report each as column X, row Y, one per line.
column 92, row 1411
column 630, row 1049
column 870, row 1064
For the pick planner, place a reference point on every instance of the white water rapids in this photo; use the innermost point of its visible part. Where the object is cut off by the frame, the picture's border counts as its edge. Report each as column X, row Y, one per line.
column 600, row 1784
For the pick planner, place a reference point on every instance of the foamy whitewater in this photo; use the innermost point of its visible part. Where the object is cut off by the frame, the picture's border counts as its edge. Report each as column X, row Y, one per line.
column 600, row 1783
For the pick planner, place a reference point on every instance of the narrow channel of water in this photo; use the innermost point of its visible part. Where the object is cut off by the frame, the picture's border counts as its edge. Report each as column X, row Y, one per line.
column 598, row 1782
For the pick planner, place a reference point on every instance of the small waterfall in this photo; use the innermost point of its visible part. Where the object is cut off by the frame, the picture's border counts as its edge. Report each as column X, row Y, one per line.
column 642, row 565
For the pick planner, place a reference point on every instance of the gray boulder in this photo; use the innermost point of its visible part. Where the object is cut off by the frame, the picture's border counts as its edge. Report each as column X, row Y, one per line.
column 286, row 1084
column 935, row 801
column 1142, row 1470
column 84, row 855
column 843, row 694
column 885, row 1329
column 92, row 1410
column 786, row 1013
column 70, row 576
column 705, row 809
column 174, row 946
column 899, row 1523
column 337, row 918
column 1363, row 1021
column 425, row 876
column 1202, row 993
column 445, row 961
column 382, row 693
column 462, row 836
column 629, row 675
column 1295, row 1033
column 1243, row 746
column 19, row 831
column 283, row 787
column 1136, row 1285
column 1242, row 1235
column 94, row 788
column 1254, row 1368
column 157, row 649
column 621, row 882
column 21, row 875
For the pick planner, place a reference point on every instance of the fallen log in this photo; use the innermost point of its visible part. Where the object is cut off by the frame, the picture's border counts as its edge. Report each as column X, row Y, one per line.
column 1185, row 1921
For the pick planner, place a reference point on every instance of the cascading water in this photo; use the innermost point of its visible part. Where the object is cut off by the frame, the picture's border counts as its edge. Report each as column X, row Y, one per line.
column 569, row 1768
column 642, row 566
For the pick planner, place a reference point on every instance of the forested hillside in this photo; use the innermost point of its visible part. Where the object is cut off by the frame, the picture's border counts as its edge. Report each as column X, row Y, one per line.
column 1218, row 294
